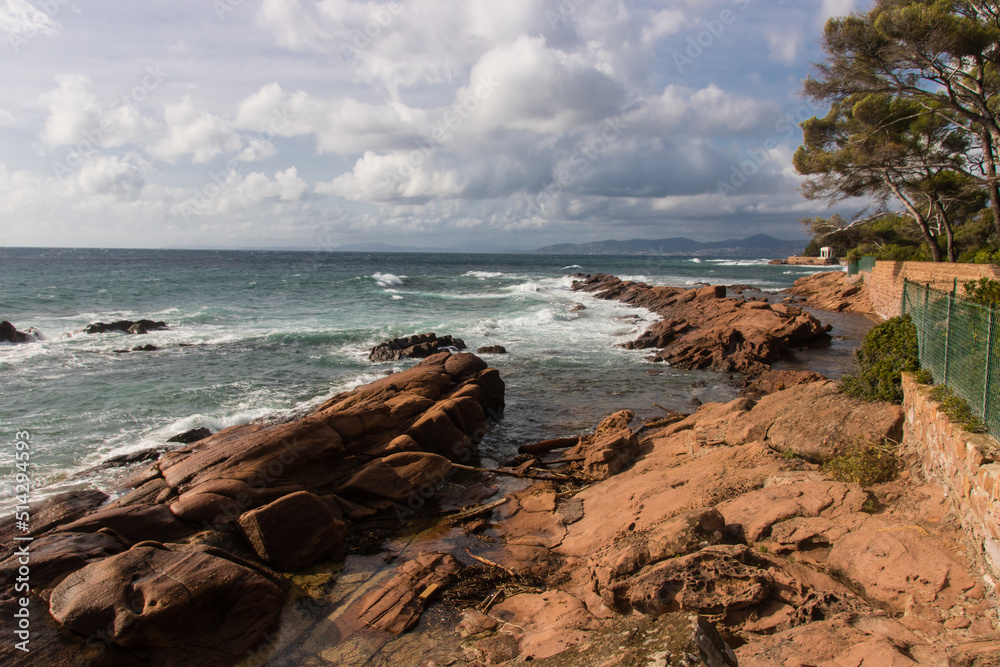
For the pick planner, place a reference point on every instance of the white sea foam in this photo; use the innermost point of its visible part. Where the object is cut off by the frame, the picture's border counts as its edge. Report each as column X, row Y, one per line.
column 388, row 279
column 739, row 262
column 397, row 297
column 572, row 266
column 484, row 275
column 696, row 260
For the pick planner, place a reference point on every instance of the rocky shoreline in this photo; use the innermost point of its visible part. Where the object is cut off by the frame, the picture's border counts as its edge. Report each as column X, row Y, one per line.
column 714, row 538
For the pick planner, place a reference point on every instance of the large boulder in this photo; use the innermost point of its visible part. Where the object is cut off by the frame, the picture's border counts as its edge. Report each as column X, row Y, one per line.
column 419, row 346
column 817, row 422
column 294, row 531
column 194, row 606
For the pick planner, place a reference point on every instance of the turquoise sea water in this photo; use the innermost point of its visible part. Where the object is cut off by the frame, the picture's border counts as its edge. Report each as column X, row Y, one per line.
column 254, row 334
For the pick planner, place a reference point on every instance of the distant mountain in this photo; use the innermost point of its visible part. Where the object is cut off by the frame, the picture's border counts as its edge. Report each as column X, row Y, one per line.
column 464, row 248
column 761, row 245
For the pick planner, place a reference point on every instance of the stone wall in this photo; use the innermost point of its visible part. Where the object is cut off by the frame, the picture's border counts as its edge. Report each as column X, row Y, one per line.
column 965, row 464
column 885, row 282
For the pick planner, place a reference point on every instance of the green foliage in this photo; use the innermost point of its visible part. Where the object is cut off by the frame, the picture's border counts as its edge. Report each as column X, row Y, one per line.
column 867, row 465
column 812, row 250
column 985, row 291
column 957, row 409
column 889, row 350
column 923, row 376
column 853, row 256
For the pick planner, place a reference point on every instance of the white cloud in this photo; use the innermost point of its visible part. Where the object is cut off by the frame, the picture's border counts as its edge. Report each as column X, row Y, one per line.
column 73, row 111
column 783, row 44
column 831, row 8
column 528, row 86
column 393, row 177
column 343, row 126
column 192, row 131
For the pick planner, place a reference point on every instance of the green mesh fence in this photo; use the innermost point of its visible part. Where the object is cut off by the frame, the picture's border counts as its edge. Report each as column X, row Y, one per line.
column 852, row 269
column 866, row 263
column 960, row 346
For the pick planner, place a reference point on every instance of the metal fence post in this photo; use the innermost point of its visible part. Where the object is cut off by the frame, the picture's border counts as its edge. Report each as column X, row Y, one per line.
column 989, row 366
column 947, row 336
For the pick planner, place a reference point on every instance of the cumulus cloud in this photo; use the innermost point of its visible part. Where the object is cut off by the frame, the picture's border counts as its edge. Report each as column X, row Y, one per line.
column 195, row 132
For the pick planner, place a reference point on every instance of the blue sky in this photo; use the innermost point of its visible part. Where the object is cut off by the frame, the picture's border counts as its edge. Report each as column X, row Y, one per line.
column 297, row 123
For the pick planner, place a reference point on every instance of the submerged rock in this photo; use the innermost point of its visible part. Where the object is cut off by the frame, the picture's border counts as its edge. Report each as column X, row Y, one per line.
column 414, row 347
column 492, row 349
column 194, row 435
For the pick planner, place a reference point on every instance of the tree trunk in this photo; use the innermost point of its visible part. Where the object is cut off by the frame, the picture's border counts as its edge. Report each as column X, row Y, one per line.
column 920, row 219
column 992, row 185
column 946, row 223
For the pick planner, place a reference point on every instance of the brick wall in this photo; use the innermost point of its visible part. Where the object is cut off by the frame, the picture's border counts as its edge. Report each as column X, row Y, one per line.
column 965, row 464
column 885, row 282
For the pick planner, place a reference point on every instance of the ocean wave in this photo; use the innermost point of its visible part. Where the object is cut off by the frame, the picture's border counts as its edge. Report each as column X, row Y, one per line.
column 739, row 262
column 396, row 297
column 572, row 266
column 695, row 260
column 484, row 275
column 388, row 279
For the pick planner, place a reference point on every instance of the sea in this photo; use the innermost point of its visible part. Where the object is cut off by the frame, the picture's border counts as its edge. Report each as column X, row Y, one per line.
column 266, row 335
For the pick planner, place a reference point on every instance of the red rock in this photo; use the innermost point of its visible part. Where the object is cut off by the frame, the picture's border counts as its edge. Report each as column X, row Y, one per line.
column 770, row 382
column 700, row 330
column 757, row 511
column 136, row 524
column 50, row 513
column 894, row 564
column 817, row 422
column 294, row 531
column 185, row 606
column 397, row 477
column 56, row 555
column 396, row 606
column 835, row 291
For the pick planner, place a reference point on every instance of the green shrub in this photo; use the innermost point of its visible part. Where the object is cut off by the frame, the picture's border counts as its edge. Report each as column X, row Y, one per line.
column 865, row 465
column 985, row 291
column 889, row 350
column 957, row 409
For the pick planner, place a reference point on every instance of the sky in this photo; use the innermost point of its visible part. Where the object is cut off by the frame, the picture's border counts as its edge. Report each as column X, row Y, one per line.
column 475, row 123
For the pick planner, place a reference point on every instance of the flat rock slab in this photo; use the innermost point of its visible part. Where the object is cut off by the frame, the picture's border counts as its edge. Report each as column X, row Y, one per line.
column 817, row 422
column 670, row 639
column 396, row 606
column 895, row 564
